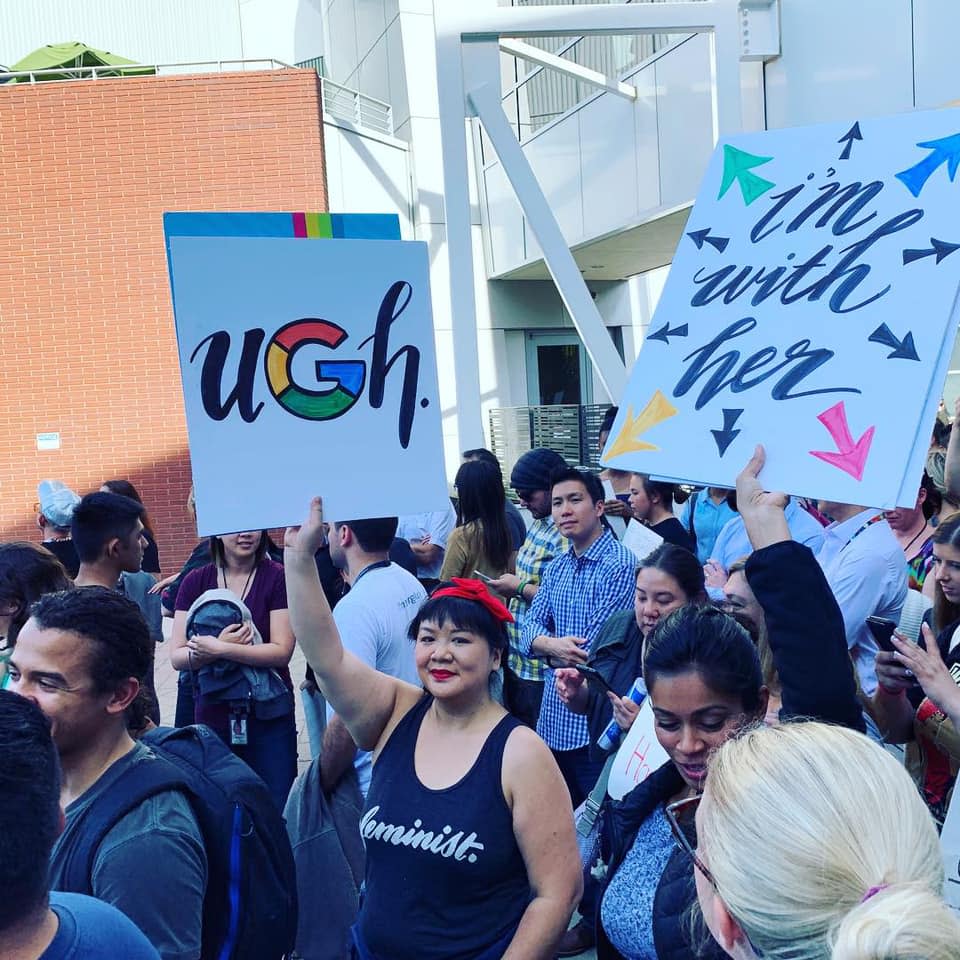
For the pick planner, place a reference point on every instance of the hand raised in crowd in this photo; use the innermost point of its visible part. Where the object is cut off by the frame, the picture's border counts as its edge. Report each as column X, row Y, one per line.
column 625, row 711
column 311, row 535
column 761, row 510
column 506, row 585
column 617, row 508
column 931, row 672
column 715, row 574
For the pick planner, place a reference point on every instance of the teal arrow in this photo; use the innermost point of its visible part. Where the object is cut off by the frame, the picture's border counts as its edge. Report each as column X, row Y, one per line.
column 736, row 167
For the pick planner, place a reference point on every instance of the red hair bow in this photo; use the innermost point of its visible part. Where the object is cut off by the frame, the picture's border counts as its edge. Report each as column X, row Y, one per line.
column 467, row 589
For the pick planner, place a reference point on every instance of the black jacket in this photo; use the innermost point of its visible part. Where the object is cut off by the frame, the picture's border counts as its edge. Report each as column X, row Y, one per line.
column 808, row 640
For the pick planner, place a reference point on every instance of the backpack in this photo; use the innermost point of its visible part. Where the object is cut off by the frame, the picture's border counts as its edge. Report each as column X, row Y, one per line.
column 250, row 904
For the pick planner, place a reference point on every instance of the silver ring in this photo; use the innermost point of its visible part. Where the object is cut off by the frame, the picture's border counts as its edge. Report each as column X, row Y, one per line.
column 907, row 672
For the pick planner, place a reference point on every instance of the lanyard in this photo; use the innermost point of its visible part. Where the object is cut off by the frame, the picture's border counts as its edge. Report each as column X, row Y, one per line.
column 861, row 528
column 367, row 569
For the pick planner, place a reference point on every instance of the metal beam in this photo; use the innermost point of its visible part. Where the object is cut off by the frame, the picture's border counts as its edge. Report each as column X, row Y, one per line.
column 526, row 51
column 485, row 100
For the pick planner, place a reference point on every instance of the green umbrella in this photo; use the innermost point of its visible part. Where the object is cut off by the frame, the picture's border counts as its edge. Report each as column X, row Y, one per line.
column 76, row 55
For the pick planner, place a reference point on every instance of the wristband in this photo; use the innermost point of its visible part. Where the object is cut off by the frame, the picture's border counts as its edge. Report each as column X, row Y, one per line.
column 521, row 586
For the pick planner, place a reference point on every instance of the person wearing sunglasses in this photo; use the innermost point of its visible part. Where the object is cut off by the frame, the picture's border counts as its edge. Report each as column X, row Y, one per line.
column 853, row 872
column 705, row 684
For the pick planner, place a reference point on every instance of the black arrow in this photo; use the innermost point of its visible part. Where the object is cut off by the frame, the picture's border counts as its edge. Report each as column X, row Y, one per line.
column 665, row 332
column 700, row 237
column 902, row 349
column 939, row 248
column 852, row 134
column 727, row 435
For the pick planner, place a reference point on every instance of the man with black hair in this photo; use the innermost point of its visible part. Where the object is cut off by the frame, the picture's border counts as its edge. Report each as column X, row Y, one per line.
column 35, row 925
column 108, row 534
column 373, row 620
column 581, row 588
column 81, row 658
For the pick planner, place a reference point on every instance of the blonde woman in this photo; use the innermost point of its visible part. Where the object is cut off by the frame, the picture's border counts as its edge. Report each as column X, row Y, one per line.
column 813, row 844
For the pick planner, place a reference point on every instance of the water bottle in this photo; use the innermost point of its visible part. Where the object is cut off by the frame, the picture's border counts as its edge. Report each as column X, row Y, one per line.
column 610, row 738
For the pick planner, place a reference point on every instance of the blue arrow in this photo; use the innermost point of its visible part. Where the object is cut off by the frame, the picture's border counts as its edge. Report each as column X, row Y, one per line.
column 940, row 248
column 945, row 150
column 904, row 349
column 852, row 134
column 665, row 332
column 727, row 435
column 700, row 237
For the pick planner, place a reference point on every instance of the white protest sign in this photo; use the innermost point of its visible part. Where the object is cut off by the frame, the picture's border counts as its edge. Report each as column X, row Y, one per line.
column 308, row 367
column 950, row 848
column 810, row 307
column 639, row 755
column 640, row 539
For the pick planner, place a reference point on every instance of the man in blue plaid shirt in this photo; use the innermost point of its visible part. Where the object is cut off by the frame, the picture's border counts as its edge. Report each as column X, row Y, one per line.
column 583, row 586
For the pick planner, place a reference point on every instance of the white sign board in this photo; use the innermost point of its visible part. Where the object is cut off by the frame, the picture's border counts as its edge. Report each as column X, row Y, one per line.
column 811, row 307
column 48, row 441
column 638, row 756
column 640, row 539
column 308, row 367
column 950, row 848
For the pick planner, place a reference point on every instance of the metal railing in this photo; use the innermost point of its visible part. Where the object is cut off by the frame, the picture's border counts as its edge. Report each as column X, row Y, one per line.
column 356, row 108
column 112, row 71
column 314, row 63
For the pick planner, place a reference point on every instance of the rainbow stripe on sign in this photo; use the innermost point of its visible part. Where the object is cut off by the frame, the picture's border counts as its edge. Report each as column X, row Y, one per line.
column 319, row 226
column 348, row 376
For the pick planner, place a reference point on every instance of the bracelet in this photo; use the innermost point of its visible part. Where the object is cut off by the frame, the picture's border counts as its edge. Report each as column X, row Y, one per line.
column 521, row 586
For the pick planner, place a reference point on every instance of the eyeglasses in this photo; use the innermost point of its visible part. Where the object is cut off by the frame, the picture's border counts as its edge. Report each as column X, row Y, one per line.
column 680, row 813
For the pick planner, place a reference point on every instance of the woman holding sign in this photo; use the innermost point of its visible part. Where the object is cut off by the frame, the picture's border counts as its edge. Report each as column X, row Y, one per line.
column 469, row 838
column 705, row 683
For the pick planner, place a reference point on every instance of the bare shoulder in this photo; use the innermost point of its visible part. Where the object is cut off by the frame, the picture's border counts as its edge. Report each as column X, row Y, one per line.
column 528, row 763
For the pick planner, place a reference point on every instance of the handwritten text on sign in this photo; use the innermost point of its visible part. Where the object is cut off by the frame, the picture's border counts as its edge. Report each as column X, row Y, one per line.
column 809, row 308
column 308, row 367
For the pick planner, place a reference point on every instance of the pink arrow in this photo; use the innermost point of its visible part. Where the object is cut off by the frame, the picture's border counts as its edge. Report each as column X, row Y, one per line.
column 850, row 457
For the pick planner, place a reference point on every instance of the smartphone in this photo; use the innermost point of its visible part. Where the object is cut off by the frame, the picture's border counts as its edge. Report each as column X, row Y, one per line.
column 482, row 576
column 882, row 630
column 594, row 675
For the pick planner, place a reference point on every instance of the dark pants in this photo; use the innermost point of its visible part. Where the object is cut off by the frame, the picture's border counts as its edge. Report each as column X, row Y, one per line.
column 271, row 752
column 522, row 697
column 581, row 774
column 185, row 708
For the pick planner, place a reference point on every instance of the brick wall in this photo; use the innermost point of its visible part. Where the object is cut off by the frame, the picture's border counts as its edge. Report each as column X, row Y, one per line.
column 88, row 167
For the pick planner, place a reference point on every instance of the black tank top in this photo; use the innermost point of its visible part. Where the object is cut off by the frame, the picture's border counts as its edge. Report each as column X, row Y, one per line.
column 444, row 875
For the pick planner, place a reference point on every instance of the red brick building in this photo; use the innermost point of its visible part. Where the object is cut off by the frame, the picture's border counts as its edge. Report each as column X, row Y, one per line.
column 88, row 168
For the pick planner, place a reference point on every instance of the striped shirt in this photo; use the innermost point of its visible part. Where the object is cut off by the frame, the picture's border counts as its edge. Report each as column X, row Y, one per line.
column 576, row 596
column 543, row 542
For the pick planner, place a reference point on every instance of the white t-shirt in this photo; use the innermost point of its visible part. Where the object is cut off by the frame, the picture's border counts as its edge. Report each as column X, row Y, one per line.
column 373, row 620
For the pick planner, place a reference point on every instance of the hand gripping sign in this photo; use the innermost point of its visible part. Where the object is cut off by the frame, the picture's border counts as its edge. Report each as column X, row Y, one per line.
column 811, row 307
column 306, row 368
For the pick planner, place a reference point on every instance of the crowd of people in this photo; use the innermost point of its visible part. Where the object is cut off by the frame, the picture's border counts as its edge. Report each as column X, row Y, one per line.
column 466, row 667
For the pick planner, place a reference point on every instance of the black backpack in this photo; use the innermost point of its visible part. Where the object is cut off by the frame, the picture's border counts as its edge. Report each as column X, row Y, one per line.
column 250, row 904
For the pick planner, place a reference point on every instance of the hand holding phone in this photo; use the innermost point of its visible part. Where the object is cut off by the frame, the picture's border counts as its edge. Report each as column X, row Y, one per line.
column 882, row 630
column 595, row 676
column 482, row 576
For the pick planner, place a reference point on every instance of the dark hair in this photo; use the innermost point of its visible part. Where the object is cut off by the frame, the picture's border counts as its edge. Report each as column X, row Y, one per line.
column 657, row 488
column 933, row 503
column 606, row 424
column 29, row 807
column 590, row 480
column 126, row 489
column 27, row 571
column 706, row 640
column 482, row 502
column 944, row 612
column 118, row 634
column 485, row 456
column 99, row 518
column 219, row 557
column 464, row 614
column 680, row 564
column 373, row 536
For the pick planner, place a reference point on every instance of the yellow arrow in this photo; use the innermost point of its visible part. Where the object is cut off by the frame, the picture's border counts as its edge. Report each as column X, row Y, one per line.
column 628, row 440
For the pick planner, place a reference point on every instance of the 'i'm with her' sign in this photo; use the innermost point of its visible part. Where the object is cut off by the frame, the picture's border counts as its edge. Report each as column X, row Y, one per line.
column 811, row 306
column 307, row 367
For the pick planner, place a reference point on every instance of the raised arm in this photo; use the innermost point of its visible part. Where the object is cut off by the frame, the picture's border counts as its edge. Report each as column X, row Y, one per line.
column 366, row 700
column 804, row 625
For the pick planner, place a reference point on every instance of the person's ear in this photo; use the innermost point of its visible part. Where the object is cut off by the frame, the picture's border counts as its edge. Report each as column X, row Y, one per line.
column 729, row 933
column 112, row 548
column 123, row 695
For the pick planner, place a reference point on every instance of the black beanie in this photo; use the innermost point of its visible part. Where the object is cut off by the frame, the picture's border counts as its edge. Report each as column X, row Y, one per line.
column 535, row 468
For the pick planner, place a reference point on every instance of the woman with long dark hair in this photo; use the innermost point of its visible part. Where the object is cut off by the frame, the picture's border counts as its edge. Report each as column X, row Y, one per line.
column 481, row 542
column 151, row 555
column 261, row 730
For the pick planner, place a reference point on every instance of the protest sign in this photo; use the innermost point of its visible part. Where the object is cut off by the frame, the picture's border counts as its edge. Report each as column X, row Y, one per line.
column 950, row 848
column 307, row 368
column 810, row 307
column 639, row 755
column 640, row 540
